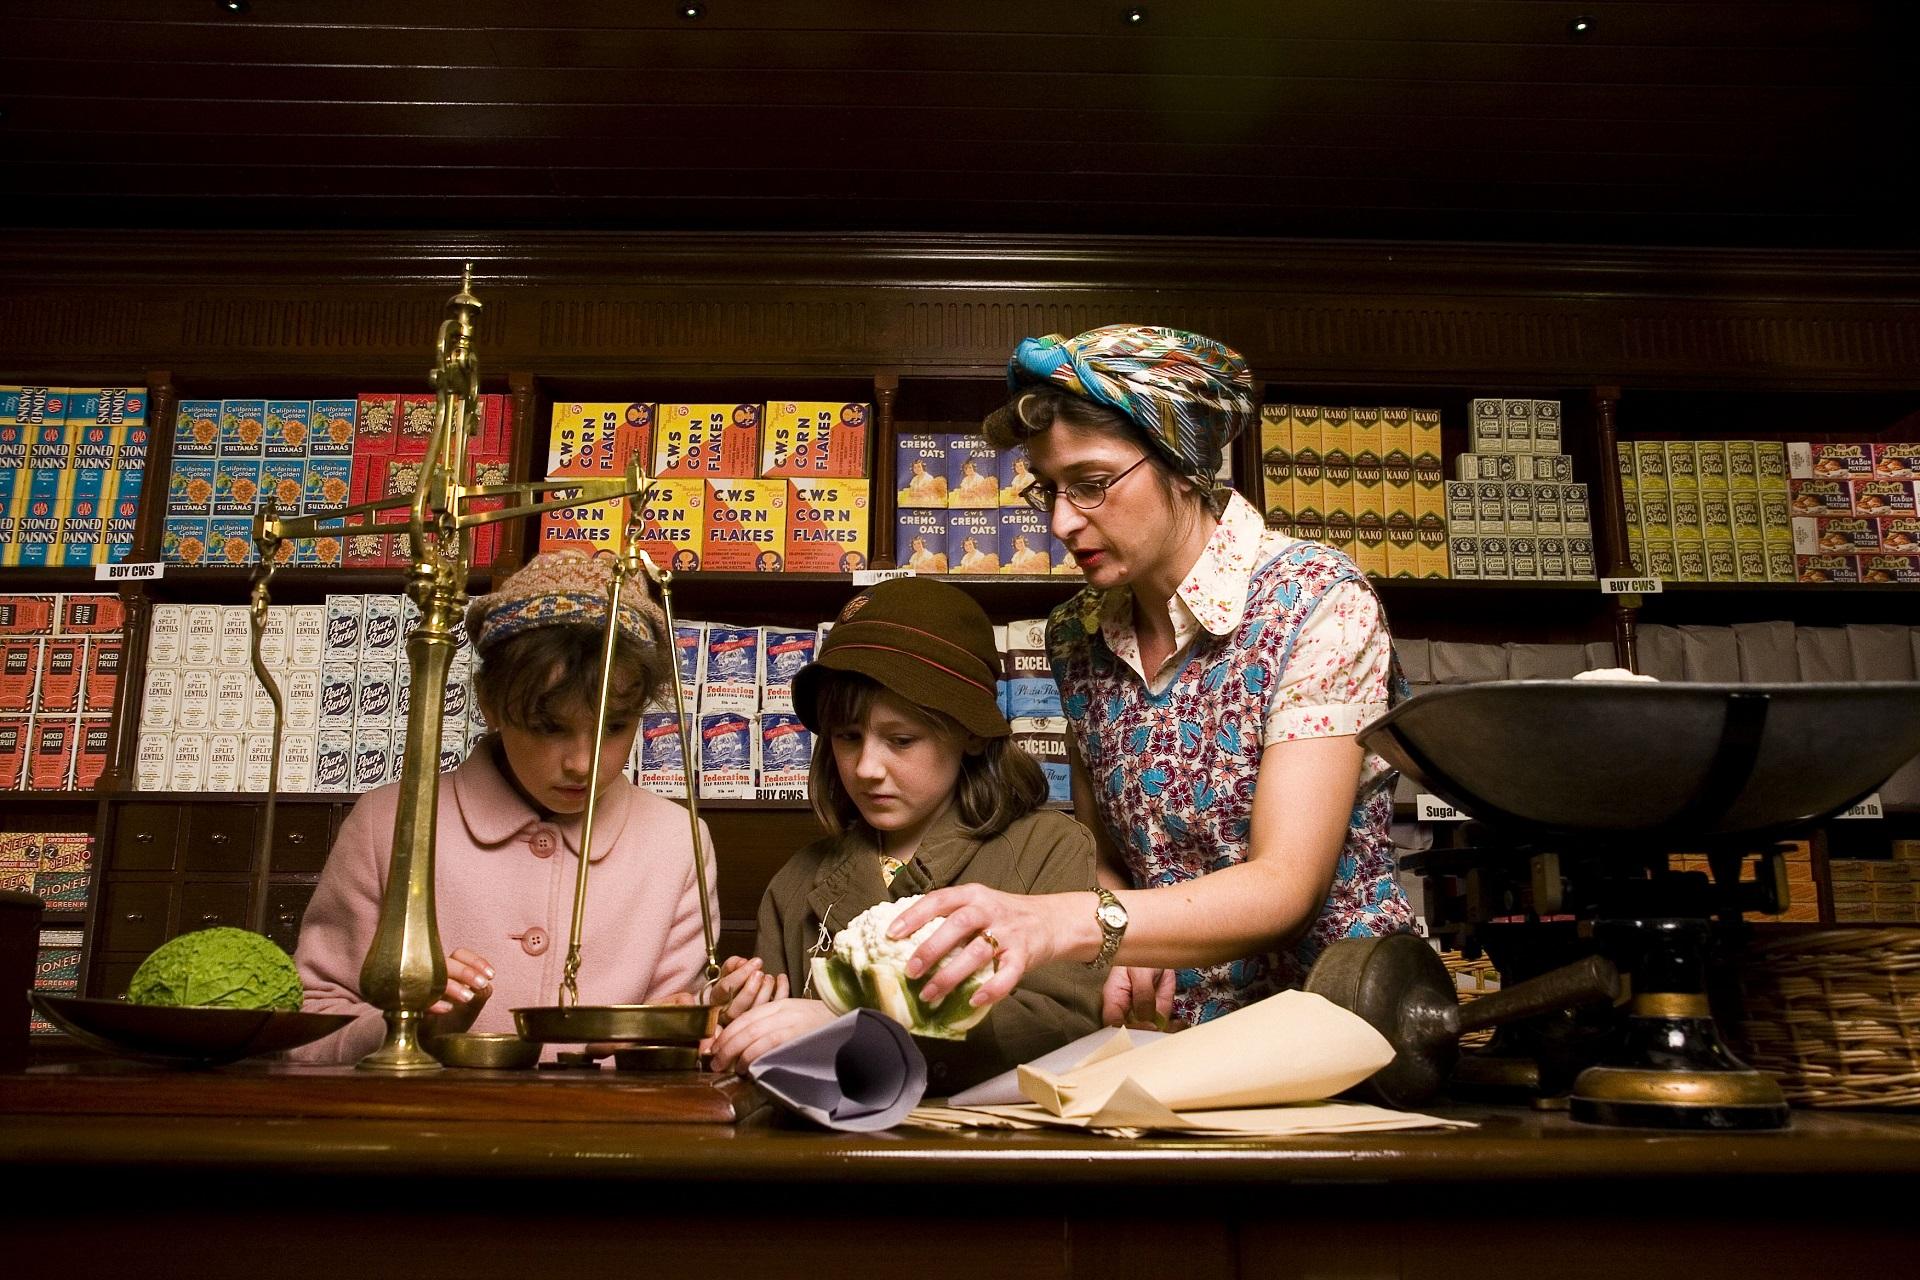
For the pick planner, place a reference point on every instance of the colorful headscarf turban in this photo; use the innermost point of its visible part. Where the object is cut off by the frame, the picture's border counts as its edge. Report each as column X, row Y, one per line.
column 557, row 588
column 1191, row 395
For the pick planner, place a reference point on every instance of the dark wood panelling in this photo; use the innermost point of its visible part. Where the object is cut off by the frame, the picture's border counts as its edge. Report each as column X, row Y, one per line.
column 1780, row 122
column 606, row 305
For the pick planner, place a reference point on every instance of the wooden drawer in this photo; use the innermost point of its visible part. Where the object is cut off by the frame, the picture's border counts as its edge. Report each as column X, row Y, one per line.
column 286, row 906
column 301, row 835
column 208, row 904
column 220, row 837
column 108, row 977
column 146, row 837
column 133, row 916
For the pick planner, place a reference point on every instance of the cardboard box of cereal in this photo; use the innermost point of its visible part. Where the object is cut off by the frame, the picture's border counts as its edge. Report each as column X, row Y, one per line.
column 973, row 473
column 1027, row 542
column 920, row 470
column 746, row 526
column 920, row 539
column 827, row 523
column 812, row 439
column 973, row 541
column 674, row 523
column 713, row 441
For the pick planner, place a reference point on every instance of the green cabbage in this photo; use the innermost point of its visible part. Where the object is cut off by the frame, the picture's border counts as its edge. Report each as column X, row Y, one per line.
column 219, row 968
column 868, row 970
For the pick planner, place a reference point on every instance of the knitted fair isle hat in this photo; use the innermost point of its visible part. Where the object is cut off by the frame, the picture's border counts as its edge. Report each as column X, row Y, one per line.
column 561, row 588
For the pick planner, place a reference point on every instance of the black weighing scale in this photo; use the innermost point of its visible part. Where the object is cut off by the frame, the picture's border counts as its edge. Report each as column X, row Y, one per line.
column 1584, row 787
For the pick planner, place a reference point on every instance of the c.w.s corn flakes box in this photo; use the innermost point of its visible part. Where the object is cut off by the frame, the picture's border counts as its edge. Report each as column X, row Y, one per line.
column 746, row 526
column 802, row 438
column 586, row 439
column 827, row 523
column 674, row 523
column 713, row 441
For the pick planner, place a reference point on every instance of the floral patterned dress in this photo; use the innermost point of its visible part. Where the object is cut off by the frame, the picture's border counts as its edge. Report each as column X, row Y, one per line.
column 1275, row 639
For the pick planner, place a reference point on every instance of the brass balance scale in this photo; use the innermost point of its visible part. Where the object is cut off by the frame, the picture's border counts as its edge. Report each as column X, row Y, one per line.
column 405, row 970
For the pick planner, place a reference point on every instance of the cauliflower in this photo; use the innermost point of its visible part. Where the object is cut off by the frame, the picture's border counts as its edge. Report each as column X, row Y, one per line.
column 868, row 970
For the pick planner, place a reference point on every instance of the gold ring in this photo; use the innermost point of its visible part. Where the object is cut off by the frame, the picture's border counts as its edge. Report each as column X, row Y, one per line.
column 991, row 940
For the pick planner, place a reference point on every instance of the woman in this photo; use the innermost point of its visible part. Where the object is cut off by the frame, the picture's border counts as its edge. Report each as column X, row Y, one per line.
column 1214, row 674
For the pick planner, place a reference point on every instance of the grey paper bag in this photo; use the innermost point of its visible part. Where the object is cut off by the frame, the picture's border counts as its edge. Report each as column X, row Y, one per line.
column 860, row 1072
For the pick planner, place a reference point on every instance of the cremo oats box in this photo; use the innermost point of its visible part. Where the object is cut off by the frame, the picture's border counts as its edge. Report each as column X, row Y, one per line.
column 804, row 439
column 712, row 441
column 973, row 473
column 973, row 541
column 746, row 526
column 920, row 470
column 920, row 539
column 827, row 523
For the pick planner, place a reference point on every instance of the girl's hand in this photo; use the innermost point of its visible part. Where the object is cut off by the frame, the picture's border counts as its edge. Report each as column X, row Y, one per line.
column 469, row 983
column 1137, row 998
column 764, row 1028
column 744, row 984
column 1016, row 931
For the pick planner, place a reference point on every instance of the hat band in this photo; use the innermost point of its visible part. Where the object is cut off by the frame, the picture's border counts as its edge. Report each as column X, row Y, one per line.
column 916, row 631
column 920, row 658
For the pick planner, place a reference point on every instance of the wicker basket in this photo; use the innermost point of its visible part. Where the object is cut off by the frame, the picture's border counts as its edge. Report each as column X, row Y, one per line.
column 1835, row 1014
column 1481, row 979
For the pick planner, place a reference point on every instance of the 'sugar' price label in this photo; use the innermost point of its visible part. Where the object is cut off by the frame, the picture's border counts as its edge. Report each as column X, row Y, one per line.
column 145, row 572
column 874, row 577
column 1868, row 808
column 1433, row 809
column 1630, row 586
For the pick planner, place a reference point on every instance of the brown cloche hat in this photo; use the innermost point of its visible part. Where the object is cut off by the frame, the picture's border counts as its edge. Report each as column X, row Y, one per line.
column 925, row 641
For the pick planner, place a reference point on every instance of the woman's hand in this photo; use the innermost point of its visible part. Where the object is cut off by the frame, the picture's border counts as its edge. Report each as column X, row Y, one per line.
column 744, row 984
column 1137, row 998
column 764, row 1028
column 1017, row 931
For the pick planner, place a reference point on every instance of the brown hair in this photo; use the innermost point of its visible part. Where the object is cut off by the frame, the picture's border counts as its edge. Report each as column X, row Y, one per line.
column 530, row 677
column 998, row 785
column 1035, row 409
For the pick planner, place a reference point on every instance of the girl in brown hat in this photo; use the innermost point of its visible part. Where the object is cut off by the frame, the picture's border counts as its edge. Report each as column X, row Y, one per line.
column 919, row 786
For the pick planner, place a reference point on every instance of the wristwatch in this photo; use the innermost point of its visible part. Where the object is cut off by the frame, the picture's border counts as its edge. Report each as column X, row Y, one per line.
column 1112, row 918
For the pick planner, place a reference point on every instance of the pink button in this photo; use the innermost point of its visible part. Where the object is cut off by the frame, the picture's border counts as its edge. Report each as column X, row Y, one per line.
column 542, row 842
column 533, row 941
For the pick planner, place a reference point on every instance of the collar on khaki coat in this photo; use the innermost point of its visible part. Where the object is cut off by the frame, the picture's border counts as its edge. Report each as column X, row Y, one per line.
column 849, row 880
column 495, row 812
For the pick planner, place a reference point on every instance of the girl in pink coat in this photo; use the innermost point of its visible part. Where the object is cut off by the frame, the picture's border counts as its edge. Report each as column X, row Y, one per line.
column 508, row 833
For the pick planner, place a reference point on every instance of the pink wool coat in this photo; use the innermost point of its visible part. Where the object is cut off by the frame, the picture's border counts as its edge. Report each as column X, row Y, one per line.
column 503, row 888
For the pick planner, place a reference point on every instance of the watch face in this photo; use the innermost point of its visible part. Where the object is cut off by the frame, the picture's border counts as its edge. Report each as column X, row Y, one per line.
column 1113, row 915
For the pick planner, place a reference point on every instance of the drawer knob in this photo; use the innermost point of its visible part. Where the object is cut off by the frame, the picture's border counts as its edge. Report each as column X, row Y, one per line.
column 144, row 837
column 296, row 838
column 209, row 918
column 219, row 837
column 136, row 917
